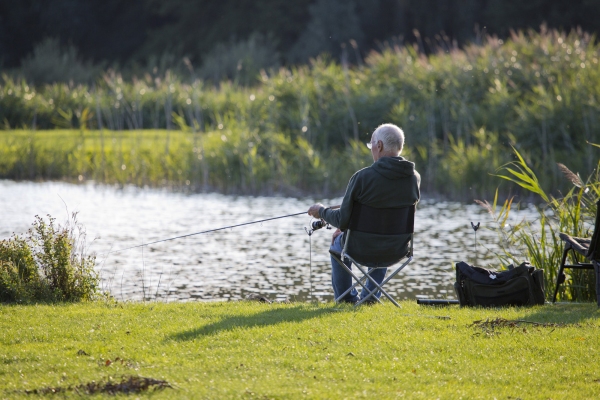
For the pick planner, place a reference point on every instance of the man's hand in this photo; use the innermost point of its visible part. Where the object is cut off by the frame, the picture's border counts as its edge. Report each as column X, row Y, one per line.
column 313, row 211
column 335, row 234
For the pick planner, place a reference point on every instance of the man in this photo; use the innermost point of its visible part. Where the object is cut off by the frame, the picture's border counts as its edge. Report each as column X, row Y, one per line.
column 390, row 182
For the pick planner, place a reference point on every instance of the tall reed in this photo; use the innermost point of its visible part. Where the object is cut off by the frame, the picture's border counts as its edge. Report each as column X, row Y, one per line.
column 537, row 91
column 539, row 242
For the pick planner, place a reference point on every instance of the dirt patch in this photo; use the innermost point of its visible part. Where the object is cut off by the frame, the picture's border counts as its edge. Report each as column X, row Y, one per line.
column 489, row 326
column 128, row 384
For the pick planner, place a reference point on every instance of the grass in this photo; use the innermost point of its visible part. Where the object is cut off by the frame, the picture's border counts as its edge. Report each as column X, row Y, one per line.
column 229, row 160
column 255, row 350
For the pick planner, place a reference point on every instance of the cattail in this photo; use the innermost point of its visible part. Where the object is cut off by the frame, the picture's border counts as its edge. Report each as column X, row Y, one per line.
column 574, row 178
column 485, row 205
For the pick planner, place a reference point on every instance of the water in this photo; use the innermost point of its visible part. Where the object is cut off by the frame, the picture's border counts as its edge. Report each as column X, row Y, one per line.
column 271, row 258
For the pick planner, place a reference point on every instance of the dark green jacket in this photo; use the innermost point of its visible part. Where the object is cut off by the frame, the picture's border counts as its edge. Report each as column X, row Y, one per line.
column 391, row 182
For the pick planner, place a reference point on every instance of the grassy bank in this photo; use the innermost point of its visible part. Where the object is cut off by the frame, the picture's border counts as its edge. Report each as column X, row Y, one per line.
column 461, row 109
column 229, row 160
column 255, row 350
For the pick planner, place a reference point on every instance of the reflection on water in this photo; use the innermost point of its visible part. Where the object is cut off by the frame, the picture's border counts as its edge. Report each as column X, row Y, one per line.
column 271, row 258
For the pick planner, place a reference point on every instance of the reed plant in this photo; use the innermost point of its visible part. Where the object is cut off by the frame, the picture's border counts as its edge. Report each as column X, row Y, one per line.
column 538, row 241
column 537, row 91
column 229, row 159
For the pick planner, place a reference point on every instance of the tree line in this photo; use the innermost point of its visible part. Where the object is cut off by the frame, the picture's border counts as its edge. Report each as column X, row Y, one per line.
column 220, row 38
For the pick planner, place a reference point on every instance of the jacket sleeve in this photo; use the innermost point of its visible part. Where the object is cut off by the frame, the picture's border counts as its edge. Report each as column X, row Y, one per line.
column 340, row 218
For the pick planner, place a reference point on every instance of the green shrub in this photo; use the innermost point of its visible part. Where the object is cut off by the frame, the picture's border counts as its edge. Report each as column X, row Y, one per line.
column 50, row 63
column 240, row 61
column 49, row 264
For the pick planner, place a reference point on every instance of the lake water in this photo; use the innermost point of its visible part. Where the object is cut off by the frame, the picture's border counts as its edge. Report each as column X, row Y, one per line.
column 276, row 259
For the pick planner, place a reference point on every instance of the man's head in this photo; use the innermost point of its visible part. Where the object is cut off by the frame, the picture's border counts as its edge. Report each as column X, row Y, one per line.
column 387, row 141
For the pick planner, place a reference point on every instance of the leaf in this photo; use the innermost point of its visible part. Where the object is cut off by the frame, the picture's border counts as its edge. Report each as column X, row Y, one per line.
column 593, row 144
column 495, row 199
column 523, row 176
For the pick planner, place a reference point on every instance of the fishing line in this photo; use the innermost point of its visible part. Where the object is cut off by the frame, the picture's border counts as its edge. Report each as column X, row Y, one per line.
column 310, row 267
column 207, row 231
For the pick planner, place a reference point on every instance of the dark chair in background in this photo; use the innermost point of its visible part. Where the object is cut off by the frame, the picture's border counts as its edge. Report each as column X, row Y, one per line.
column 589, row 248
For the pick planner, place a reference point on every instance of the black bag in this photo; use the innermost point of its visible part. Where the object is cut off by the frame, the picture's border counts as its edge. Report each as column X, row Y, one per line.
column 516, row 286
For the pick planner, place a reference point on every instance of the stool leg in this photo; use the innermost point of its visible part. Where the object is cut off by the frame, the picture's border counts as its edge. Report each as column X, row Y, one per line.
column 368, row 276
column 597, row 273
column 380, row 287
column 356, row 278
column 560, row 271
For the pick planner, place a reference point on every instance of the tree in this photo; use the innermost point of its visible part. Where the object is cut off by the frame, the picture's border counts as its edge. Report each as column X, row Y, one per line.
column 332, row 23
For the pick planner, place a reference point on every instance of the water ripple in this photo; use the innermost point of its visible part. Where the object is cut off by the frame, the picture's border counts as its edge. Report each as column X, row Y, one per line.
column 270, row 258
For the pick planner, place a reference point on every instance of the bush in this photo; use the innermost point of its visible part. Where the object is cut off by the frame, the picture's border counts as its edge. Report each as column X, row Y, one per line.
column 333, row 23
column 240, row 61
column 49, row 264
column 51, row 63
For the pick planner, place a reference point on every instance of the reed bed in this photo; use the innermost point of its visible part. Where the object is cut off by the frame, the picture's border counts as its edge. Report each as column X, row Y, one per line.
column 573, row 212
column 461, row 109
column 226, row 160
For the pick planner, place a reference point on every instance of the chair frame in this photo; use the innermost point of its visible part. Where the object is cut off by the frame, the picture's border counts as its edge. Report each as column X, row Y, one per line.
column 408, row 257
column 597, row 273
column 560, row 278
column 587, row 248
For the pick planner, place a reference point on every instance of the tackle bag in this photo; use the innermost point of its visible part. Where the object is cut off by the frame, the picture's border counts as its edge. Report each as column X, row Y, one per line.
column 516, row 286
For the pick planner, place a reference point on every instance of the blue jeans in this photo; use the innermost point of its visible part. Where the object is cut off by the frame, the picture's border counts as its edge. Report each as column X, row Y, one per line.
column 341, row 280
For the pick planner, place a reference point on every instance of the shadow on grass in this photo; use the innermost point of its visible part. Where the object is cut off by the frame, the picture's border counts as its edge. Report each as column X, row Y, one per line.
column 265, row 318
column 567, row 313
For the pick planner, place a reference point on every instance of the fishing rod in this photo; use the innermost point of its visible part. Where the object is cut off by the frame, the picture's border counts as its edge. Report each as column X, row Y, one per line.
column 212, row 230
column 207, row 231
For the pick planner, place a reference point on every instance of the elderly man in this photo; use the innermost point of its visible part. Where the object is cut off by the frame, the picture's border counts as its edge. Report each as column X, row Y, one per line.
column 390, row 182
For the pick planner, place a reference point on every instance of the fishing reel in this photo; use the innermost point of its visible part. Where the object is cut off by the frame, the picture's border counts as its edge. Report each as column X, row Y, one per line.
column 316, row 225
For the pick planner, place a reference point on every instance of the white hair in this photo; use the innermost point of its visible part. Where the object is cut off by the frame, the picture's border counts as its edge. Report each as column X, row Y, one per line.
column 391, row 136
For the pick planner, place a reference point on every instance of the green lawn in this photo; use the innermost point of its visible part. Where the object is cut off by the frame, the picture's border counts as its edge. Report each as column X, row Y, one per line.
column 256, row 350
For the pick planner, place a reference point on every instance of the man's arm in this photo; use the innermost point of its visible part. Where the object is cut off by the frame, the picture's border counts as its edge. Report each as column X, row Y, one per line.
column 313, row 210
column 340, row 218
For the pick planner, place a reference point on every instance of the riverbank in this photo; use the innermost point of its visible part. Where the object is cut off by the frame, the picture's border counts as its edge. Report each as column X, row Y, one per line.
column 239, row 349
column 228, row 161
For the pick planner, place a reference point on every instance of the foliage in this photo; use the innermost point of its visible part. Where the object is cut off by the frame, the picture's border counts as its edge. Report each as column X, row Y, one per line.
column 102, row 30
column 49, row 264
column 461, row 110
column 539, row 243
column 240, row 62
column 250, row 349
column 332, row 24
column 231, row 159
column 49, row 63
column 132, row 32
